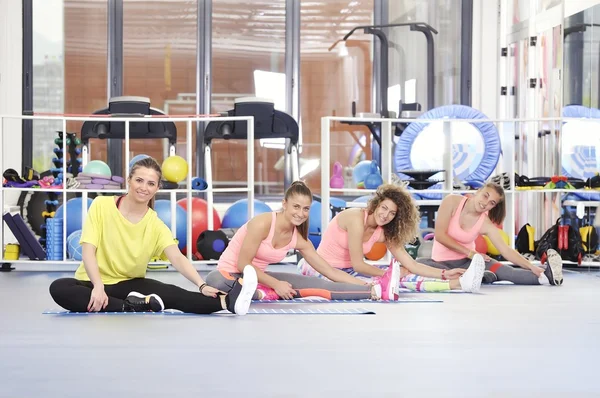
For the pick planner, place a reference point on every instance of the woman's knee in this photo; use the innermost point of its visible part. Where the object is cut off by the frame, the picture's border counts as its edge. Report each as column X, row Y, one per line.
column 220, row 280
column 58, row 287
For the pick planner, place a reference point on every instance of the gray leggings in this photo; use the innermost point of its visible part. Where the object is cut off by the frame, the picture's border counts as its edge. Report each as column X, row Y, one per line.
column 518, row 276
column 305, row 285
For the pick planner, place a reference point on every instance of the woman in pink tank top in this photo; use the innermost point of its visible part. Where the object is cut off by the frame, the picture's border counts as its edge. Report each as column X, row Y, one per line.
column 461, row 219
column 267, row 238
column 391, row 218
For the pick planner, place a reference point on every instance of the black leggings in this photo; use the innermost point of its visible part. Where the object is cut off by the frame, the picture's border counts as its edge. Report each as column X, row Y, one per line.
column 74, row 295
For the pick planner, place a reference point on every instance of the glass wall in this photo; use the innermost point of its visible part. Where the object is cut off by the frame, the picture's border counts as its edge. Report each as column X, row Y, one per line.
column 69, row 69
column 248, row 60
column 159, row 62
column 333, row 75
column 48, row 77
column 85, row 46
column 408, row 53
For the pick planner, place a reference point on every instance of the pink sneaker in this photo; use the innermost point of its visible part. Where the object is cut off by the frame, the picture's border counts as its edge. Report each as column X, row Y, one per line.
column 267, row 292
column 388, row 283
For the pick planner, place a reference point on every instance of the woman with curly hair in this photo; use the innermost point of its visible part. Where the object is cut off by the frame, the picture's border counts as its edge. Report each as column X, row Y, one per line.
column 267, row 238
column 392, row 218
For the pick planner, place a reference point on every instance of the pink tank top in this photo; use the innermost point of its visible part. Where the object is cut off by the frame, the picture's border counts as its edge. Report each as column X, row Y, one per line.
column 265, row 255
column 334, row 244
column 440, row 252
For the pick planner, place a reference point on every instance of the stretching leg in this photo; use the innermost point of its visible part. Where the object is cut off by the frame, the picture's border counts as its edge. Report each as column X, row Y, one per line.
column 223, row 281
column 518, row 276
column 418, row 283
column 503, row 272
column 306, row 286
column 175, row 297
column 74, row 295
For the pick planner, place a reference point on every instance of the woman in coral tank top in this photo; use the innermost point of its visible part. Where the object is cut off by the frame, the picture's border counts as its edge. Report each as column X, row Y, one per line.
column 461, row 219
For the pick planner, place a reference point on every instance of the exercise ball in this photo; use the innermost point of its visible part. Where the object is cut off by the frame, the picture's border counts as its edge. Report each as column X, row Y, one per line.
column 211, row 244
column 174, row 169
column 481, row 245
column 97, row 167
column 237, row 214
column 163, row 210
column 73, row 218
column 74, row 247
column 377, row 251
column 314, row 219
column 491, row 249
column 200, row 217
column 136, row 159
column 361, row 171
column 363, row 199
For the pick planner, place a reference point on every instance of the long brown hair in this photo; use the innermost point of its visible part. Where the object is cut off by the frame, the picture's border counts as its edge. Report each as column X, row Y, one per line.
column 405, row 225
column 148, row 163
column 498, row 212
column 299, row 188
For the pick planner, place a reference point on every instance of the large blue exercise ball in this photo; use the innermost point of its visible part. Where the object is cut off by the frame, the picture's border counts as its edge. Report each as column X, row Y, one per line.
column 73, row 217
column 163, row 210
column 314, row 219
column 136, row 159
column 74, row 247
column 237, row 214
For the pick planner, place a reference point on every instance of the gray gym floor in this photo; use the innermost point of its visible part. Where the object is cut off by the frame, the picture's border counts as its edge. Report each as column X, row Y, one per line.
column 508, row 341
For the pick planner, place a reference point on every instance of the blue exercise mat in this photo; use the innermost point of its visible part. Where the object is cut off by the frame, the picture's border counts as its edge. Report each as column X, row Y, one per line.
column 254, row 311
column 325, row 301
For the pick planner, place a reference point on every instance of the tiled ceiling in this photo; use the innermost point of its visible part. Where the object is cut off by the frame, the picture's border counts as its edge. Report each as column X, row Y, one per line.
column 254, row 26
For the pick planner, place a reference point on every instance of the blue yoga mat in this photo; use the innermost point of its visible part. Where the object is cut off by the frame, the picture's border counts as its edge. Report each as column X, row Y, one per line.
column 255, row 311
column 325, row 301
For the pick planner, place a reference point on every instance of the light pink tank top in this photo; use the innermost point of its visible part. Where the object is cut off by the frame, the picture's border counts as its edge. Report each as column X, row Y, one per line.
column 265, row 255
column 334, row 244
column 440, row 252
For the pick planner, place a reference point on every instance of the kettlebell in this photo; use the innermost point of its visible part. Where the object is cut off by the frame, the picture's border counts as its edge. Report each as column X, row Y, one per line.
column 373, row 180
column 337, row 180
column 425, row 246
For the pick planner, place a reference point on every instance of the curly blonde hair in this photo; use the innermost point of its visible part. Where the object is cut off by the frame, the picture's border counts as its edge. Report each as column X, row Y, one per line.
column 405, row 225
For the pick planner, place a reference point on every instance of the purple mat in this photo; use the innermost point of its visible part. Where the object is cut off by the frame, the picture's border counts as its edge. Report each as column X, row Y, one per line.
column 91, row 175
column 92, row 186
column 102, row 181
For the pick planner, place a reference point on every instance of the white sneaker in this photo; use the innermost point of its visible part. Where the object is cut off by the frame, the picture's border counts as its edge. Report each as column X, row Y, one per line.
column 554, row 270
column 470, row 281
column 240, row 297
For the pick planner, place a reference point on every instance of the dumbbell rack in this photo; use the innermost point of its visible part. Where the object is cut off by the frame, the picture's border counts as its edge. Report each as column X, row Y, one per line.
column 26, row 264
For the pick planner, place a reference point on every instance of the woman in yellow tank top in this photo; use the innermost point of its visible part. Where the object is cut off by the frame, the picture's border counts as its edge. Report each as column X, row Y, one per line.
column 119, row 237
